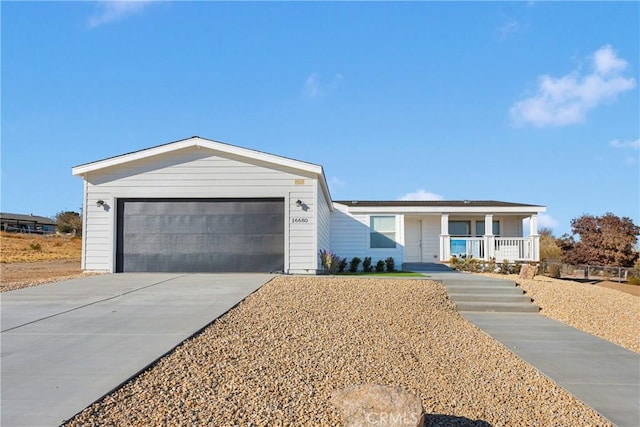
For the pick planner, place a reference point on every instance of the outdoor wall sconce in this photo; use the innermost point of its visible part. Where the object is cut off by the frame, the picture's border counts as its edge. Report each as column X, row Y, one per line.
column 298, row 203
column 100, row 203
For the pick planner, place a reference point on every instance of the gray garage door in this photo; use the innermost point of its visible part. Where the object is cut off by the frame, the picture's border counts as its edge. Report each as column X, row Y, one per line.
column 200, row 235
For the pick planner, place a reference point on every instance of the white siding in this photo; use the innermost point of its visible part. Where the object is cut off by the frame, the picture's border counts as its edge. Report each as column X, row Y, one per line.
column 350, row 237
column 198, row 173
column 324, row 223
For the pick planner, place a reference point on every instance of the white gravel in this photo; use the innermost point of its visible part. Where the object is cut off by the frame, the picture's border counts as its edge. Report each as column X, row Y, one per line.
column 276, row 358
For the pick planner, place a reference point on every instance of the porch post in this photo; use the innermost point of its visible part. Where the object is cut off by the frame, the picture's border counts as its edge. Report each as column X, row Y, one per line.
column 535, row 237
column 445, row 239
column 488, row 237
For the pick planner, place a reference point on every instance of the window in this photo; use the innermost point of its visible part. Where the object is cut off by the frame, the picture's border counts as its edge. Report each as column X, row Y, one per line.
column 480, row 228
column 383, row 232
column 460, row 228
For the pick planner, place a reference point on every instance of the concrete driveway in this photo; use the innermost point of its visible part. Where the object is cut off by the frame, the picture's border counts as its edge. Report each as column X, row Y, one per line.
column 66, row 344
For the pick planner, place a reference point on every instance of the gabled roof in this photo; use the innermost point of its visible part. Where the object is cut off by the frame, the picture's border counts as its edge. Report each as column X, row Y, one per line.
column 221, row 147
column 434, row 206
column 27, row 218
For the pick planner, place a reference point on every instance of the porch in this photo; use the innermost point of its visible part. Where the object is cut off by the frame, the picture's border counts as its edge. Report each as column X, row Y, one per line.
column 482, row 236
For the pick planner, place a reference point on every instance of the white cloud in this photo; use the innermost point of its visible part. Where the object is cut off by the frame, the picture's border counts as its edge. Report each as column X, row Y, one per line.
column 314, row 88
column 116, row 10
column 336, row 182
column 421, row 195
column 635, row 145
column 509, row 28
column 566, row 100
column 544, row 221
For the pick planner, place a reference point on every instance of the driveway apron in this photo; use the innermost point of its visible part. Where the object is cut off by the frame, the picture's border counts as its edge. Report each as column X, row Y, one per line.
column 65, row 345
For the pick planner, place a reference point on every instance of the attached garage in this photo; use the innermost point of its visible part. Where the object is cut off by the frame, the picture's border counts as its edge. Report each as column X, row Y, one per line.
column 197, row 205
column 200, row 235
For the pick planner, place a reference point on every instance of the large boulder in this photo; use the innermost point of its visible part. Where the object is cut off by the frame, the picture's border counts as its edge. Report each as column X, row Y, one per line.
column 528, row 271
column 378, row 405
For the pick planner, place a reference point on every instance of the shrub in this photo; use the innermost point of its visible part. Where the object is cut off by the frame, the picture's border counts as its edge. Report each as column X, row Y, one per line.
column 633, row 280
column 491, row 265
column 380, row 266
column 353, row 264
column 454, row 262
column 391, row 264
column 342, row 265
column 553, row 270
column 517, row 267
column 35, row 246
column 330, row 261
column 366, row 264
column 504, row 267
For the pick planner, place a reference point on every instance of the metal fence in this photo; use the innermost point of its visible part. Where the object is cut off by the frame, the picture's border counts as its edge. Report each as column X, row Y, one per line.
column 584, row 272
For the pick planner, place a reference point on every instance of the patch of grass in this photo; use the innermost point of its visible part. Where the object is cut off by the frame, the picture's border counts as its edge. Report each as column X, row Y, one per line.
column 17, row 247
column 384, row 274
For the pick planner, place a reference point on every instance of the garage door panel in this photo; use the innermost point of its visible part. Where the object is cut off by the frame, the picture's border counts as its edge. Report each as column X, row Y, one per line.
column 200, row 235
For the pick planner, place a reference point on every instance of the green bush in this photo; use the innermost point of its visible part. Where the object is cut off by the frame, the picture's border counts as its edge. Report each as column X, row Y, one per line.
column 366, row 264
column 342, row 265
column 380, row 266
column 35, row 246
column 354, row 263
column 391, row 264
column 633, row 280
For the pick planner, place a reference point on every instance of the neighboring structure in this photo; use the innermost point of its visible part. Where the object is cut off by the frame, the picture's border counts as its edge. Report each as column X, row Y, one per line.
column 198, row 205
column 20, row 223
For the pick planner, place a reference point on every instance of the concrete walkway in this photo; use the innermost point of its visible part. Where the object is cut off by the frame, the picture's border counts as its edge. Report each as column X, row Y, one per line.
column 601, row 374
column 67, row 344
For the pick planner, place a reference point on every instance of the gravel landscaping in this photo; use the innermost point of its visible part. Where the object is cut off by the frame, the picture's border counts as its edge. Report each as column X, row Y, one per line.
column 606, row 313
column 276, row 358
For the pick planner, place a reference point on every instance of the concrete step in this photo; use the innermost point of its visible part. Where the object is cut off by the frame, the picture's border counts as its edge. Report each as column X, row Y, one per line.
column 503, row 307
column 487, row 290
column 482, row 283
column 489, row 298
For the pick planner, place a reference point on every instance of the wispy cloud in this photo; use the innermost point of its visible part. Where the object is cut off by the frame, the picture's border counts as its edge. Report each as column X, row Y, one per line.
column 566, row 100
column 336, row 182
column 116, row 10
column 627, row 145
column 616, row 143
column 315, row 88
column 507, row 29
column 544, row 221
column 421, row 195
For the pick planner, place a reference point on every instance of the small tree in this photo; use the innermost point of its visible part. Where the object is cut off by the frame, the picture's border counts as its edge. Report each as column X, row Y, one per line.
column 603, row 240
column 69, row 222
column 549, row 249
column 366, row 264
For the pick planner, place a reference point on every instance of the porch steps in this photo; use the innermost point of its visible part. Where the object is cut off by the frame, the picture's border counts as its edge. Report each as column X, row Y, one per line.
column 488, row 295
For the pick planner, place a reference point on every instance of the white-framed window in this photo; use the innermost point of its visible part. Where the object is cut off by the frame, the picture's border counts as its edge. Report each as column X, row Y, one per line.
column 383, row 232
column 460, row 228
column 480, row 228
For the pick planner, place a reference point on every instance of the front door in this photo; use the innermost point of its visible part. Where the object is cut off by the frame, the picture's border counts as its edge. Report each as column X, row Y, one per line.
column 413, row 240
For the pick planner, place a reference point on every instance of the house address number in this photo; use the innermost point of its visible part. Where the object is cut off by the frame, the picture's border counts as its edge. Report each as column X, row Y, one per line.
column 297, row 220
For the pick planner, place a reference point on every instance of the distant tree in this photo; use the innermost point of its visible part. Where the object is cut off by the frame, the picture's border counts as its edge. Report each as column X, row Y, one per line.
column 549, row 249
column 69, row 222
column 603, row 240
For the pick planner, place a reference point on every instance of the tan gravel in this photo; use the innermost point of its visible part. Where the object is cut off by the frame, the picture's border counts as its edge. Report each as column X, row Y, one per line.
column 276, row 358
column 606, row 313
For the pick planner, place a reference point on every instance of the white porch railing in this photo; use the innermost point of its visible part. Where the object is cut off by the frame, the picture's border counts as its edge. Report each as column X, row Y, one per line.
column 500, row 248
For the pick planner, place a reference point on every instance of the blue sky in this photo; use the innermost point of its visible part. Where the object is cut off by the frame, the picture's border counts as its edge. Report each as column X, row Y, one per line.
column 531, row 102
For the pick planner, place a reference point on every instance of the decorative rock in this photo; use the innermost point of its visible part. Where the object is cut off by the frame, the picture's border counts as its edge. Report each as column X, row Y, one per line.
column 378, row 405
column 528, row 271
